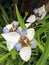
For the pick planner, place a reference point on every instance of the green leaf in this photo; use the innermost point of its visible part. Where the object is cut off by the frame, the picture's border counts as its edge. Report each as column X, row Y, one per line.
column 44, row 56
column 3, row 46
column 4, row 14
column 42, row 29
column 13, row 53
column 21, row 21
column 4, row 57
column 9, row 62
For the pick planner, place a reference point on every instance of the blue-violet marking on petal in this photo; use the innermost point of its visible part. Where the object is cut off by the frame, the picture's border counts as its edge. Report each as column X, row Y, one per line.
column 17, row 31
column 17, row 47
column 35, row 10
column 42, row 12
column 33, row 43
column 23, row 32
column 15, row 23
column 5, row 30
column 38, row 18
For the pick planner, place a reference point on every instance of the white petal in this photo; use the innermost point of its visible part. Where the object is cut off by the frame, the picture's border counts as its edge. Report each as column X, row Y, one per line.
column 30, row 33
column 31, row 19
column 12, row 36
column 42, row 9
column 10, row 45
column 28, row 24
column 9, row 26
column 25, row 53
column 19, row 28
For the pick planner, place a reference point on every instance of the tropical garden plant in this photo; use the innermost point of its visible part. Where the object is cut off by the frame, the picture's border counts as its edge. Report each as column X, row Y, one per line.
column 36, row 50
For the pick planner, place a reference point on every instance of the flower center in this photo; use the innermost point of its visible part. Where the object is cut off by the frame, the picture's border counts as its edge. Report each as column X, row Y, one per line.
column 24, row 41
column 38, row 15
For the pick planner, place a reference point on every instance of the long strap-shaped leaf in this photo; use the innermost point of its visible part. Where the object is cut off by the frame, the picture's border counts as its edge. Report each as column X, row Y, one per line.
column 44, row 56
column 20, row 19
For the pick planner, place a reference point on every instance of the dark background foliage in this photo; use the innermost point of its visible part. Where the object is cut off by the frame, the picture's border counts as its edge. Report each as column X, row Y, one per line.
column 23, row 5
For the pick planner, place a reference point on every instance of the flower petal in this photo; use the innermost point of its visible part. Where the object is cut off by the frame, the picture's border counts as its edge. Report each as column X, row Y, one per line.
column 12, row 36
column 17, row 47
column 23, row 32
column 42, row 11
column 25, row 53
column 9, row 26
column 35, row 10
column 27, row 25
column 31, row 19
column 15, row 22
column 38, row 18
column 33, row 43
column 10, row 45
column 30, row 33
column 5, row 30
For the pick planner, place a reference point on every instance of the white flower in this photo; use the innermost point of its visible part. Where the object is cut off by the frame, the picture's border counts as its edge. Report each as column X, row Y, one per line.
column 20, row 40
column 42, row 11
column 41, row 14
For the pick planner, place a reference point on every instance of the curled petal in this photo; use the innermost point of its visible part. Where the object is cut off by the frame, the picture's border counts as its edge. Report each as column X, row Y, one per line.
column 25, row 53
column 30, row 33
column 31, row 19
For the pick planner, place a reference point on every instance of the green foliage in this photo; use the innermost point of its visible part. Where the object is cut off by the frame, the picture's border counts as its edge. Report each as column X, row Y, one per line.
column 44, row 56
column 4, row 15
column 39, row 55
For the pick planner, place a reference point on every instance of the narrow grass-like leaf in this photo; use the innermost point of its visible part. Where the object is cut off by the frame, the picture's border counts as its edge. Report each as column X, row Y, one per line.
column 44, row 56
column 3, row 58
column 4, row 14
column 20, row 19
column 42, row 29
column 3, row 46
column 9, row 62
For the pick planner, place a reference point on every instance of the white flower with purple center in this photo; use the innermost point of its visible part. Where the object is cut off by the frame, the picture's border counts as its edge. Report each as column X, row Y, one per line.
column 41, row 11
column 21, row 40
column 39, row 14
